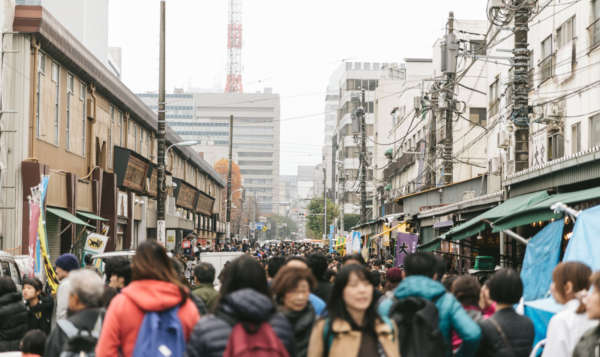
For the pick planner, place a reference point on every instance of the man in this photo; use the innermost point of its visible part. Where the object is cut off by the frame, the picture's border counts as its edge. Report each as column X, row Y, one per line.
column 420, row 274
column 204, row 277
column 318, row 265
column 64, row 265
column 118, row 272
column 84, row 301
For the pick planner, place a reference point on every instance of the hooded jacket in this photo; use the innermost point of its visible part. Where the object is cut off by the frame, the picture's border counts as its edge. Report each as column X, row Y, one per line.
column 210, row 336
column 126, row 313
column 40, row 316
column 302, row 323
column 13, row 321
column 452, row 316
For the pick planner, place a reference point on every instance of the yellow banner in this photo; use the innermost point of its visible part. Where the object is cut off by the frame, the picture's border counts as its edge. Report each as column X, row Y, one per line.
column 50, row 273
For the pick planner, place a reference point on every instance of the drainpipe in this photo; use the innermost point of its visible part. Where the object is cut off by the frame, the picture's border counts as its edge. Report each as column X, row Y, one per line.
column 34, row 69
column 92, row 121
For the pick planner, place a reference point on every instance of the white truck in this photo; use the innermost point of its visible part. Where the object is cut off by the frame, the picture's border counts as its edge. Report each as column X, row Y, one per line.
column 218, row 260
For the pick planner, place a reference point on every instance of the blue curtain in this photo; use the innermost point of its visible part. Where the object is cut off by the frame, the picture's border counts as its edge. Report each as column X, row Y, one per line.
column 584, row 245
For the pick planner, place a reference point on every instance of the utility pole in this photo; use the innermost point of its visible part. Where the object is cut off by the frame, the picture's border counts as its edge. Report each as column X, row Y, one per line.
column 520, row 85
column 324, row 202
column 162, row 190
column 229, row 178
column 363, row 159
column 451, row 50
column 432, row 138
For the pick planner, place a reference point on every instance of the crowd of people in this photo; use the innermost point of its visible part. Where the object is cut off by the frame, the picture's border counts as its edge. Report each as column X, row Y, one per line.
column 297, row 301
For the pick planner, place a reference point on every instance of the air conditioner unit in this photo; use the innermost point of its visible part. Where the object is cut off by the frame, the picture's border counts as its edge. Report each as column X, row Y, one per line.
column 503, row 139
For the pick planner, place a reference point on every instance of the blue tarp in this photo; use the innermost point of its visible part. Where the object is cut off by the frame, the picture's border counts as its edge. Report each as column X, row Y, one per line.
column 541, row 256
column 540, row 312
column 584, row 245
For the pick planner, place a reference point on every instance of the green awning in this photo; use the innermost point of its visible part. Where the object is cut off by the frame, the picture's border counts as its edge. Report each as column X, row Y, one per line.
column 541, row 211
column 430, row 246
column 91, row 216
column 67, row 216
column 479, row 223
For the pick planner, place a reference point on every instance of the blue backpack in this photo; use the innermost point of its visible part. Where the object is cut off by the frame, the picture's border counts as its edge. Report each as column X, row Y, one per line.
column 161, row 334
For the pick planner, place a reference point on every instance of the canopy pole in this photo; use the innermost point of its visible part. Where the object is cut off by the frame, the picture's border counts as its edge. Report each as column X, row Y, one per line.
column 560, row 207
column 515, row 236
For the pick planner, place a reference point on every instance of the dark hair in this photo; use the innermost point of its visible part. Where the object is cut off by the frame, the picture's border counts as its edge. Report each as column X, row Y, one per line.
column 121, row 267
column 244, row 273
column 7, row 285
column 375, row 278
column 205, row 273
column 505, row 287
column 108, row 295
column 151, row 262
column 274, row 264
column 356, row 257
column 288, row 278
column 336, row 306
column 318, row 265
column 297, row 257
column 420, row 263
column 34, row 342
column 440, row 267
column 448, row 280
column 466, row 289
column 35, row 282
column 575, row 272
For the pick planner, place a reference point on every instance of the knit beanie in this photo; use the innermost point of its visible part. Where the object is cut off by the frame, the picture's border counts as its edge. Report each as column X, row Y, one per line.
column 67, row 262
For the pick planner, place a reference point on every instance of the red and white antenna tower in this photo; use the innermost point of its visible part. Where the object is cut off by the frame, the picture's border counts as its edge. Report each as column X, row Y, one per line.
column 234, row 48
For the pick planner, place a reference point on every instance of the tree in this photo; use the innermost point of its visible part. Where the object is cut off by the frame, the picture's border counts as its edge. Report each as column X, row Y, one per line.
column 350, row 220
column 314, row 223
column 222, row 168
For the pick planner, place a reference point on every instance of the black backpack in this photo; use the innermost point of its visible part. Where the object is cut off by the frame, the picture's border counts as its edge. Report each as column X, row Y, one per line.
column 418, row 328
column 80, row 343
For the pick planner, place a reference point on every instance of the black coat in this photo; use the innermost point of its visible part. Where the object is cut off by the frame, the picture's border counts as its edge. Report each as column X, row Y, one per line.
column 518, row 331
column 210, row 335
column 40, row 315
column 302, row 323
column 83, row 320
column 13, row 321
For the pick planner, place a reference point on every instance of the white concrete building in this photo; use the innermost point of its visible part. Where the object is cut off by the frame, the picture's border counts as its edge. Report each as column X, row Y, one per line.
column 256, row 133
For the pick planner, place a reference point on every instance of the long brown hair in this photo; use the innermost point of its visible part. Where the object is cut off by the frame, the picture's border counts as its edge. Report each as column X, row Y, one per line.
column 151, row 262
column 575, row 272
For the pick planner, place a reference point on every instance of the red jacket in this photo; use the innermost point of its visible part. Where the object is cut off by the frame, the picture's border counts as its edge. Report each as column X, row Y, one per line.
column 126, row 312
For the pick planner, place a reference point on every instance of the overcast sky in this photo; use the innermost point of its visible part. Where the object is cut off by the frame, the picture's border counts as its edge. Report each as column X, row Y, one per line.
column 291, row 46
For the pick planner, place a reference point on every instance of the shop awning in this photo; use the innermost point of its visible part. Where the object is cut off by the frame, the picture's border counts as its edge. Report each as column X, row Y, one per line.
column 91, row 216
column 67, row 216
column 541, row 211
column 479, row 223
column 430, row 246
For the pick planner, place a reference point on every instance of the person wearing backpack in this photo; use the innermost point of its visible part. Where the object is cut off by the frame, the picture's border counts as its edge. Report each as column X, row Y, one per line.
column 353, row 327
column 292, row 289
column 151, row 314
column 78, row 334
column 245, row 321
column 506, row 333
column 426, row 314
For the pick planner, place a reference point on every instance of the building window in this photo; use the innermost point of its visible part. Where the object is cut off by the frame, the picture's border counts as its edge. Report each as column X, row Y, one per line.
column 595, row 130
column 575, row 138
column 478, row 116
column 56, row 79
column 494, row 97
column 556, row 145
column 565, row 33
column 477, row 47
column 42, row 62
column 110, row 127
column 70, row 88
column 120, row 128
column 595, row 26
column 83, row 116
column 141, row 151
column 547, row 56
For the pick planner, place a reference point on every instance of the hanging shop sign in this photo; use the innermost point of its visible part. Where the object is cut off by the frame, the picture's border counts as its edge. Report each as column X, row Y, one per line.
column 185, row 195
column 131, row 169
column 204, row 204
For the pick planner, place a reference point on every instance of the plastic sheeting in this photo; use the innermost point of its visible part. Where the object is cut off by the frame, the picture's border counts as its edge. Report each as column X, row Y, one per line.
column 541, row 256
column 584, row 245
column 540, row 312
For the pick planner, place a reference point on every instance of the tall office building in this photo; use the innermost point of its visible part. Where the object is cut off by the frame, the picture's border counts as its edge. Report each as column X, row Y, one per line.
column 205, row 117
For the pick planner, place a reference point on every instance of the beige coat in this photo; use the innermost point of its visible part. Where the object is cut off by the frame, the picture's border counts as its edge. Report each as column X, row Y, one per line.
column 346, row 342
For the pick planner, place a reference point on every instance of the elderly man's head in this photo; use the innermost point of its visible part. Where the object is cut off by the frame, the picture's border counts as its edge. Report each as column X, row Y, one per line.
column 86, row 290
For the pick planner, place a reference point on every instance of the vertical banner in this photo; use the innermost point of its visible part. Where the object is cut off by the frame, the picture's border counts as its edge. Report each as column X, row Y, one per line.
column 405, row 244
column 34, row 219
column 331, row 229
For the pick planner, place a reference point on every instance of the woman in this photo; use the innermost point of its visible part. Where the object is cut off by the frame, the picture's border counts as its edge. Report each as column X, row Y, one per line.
column 155, row 287
column 244, row 298
column 589, row 344
column 39, row 308
column 13, row 316
column 353, row 327
column 567, row 327
column 488, row 307
column 506, row 333
column 292, row 288
column 466, row 289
